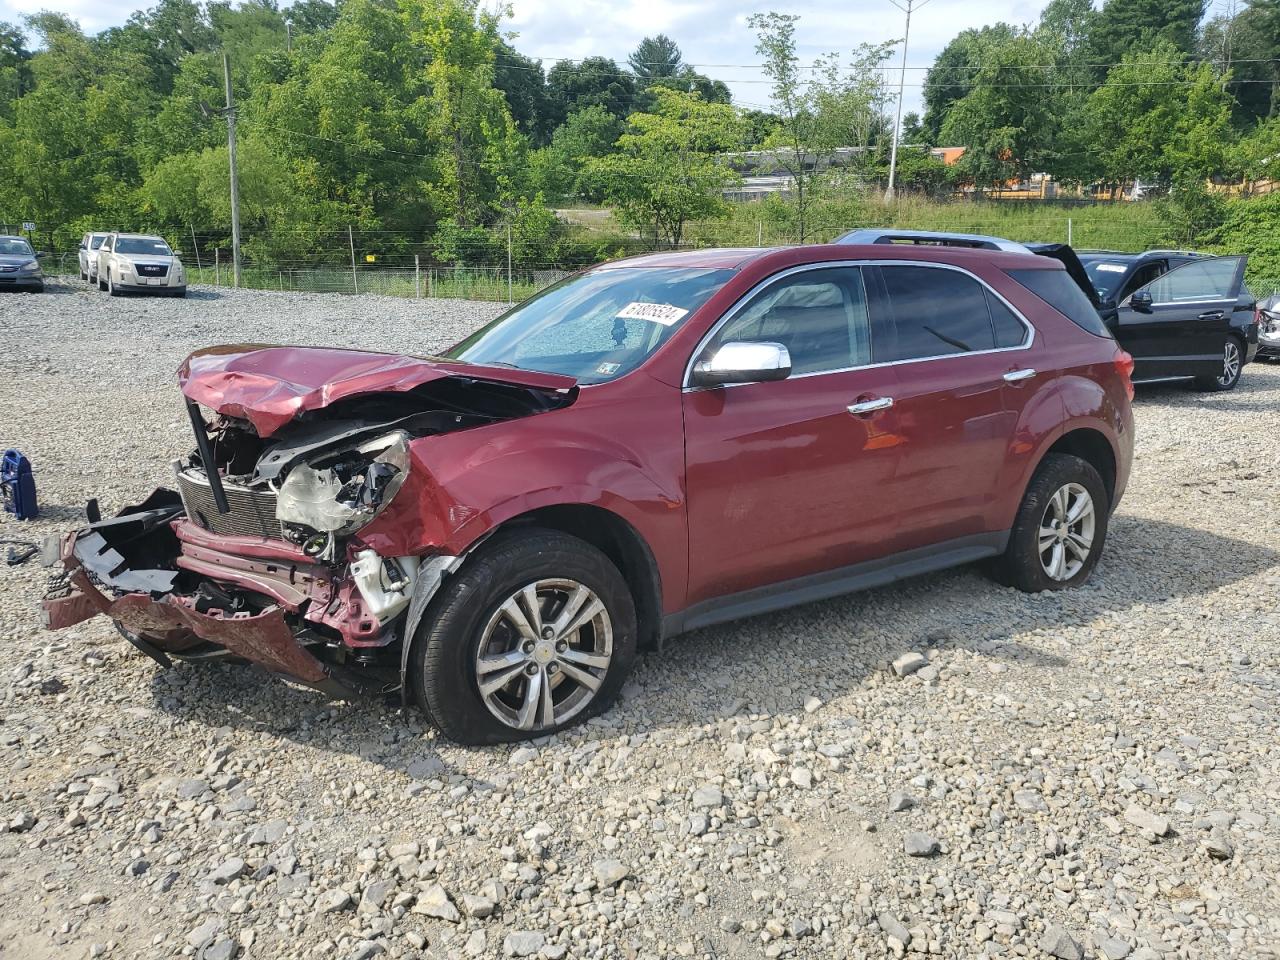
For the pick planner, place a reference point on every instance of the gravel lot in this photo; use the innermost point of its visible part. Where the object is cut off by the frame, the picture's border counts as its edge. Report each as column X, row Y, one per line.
column 1091, row 774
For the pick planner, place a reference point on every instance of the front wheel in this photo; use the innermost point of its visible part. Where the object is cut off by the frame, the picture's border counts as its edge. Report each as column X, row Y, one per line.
column 112, row 289
column 1060, row 528
column 535, row 633
column 1229, row 376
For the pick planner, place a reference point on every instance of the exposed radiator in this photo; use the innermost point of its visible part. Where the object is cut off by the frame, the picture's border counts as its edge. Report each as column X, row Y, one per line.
column 252, row 514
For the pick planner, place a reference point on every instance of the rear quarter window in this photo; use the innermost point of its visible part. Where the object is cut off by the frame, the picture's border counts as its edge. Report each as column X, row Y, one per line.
column 1058, row 290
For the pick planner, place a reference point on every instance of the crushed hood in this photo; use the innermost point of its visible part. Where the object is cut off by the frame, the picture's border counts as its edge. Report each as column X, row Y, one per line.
column 271, row 385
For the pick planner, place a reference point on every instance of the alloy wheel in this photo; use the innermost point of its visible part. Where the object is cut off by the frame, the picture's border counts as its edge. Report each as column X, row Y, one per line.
column 1066, row 532
column 1230, row 364
column 544, row 654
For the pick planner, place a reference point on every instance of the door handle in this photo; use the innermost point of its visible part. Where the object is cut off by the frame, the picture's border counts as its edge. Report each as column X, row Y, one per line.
column 1017, row 376
column 864, row 407
column 1212, row 315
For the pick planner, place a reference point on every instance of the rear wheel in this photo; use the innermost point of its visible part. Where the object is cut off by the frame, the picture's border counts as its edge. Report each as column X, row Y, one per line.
column 537, row 632
column 1229, row 375
column 1060, row 527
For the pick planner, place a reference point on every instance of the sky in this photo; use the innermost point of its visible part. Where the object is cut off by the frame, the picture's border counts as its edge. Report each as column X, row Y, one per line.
column 710, row 32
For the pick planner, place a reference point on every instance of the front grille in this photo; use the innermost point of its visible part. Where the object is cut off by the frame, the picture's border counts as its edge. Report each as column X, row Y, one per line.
column 252, row 514
column 151, row 269
column 8, row 269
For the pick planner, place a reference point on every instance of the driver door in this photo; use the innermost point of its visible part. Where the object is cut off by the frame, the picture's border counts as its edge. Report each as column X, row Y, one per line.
column 1182, row 330
column 783, row 479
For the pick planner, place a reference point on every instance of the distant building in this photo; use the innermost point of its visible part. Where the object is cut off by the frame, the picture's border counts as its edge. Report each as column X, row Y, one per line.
column 766, row 172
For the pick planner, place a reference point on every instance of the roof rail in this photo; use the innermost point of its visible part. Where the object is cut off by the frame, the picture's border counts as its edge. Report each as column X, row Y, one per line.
column 974, row 241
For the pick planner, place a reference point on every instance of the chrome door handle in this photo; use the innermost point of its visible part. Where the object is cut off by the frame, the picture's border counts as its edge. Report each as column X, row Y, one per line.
column 870, row 406
column 1212, row 315
column 1017, row 376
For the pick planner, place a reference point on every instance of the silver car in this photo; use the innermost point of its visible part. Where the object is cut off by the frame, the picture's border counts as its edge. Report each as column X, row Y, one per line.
column 89, row 245
column 139, row 263
column 19, row 266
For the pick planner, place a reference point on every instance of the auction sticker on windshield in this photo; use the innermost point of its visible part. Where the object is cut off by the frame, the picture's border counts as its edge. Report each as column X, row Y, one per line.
column 663, row 313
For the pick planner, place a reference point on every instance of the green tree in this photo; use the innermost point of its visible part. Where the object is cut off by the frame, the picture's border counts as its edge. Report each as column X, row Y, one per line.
column 952, row 75
column 655, row 58
column 1247, row 42
column 15, row 70
column 1007, row 124
column 1159, row 120
column 311, row 16
column 588, row 133
column 523, row 83
column 1125, row 27
column 666, row 171
column 594, row 81
column 479, row 151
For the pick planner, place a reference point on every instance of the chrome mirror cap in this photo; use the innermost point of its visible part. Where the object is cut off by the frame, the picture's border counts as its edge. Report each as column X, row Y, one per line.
column 743, row 362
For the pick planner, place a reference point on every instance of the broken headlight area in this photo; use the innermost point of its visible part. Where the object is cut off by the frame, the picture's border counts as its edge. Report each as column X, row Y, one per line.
column 318, row 503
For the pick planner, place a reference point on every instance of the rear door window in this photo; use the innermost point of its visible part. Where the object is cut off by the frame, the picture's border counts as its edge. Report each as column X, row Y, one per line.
column 935, row 312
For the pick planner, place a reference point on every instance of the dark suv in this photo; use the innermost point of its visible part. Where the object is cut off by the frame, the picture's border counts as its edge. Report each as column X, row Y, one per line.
column 644, row 448
column 1182, row 315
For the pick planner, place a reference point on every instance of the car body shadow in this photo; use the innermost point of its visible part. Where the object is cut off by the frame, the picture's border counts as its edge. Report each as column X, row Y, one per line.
column 764, row 665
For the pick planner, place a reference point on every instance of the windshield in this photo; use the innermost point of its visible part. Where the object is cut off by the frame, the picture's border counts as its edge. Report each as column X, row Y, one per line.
column 14, row 247
column 594, row 326
column 1106, row 275
column 144, row 245
column 96, row 242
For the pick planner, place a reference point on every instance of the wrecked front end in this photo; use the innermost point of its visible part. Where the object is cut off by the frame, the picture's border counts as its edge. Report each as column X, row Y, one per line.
column 257, row 555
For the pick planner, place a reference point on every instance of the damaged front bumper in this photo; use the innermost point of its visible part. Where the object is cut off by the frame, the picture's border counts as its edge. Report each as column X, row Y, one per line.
column 176, row 590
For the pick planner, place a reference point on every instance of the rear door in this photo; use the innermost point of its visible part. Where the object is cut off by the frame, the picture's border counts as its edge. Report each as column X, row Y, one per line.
column 964, row 371
column 1184, row 329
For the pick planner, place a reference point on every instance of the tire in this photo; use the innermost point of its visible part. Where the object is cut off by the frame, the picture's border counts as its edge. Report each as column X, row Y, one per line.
column 1023, row 565
column 102, row 284
column 112, row 289
column 1232, row 348
column 468, row 614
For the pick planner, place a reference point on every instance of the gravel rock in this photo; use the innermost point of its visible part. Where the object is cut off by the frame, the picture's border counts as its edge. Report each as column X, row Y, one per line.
column 220, row 950
column 1113, row 948
column 1218, row 845
column 917, row 844
column 1144, row 819
column 227, row 871
column 1056, row 942
column 707, row 796
column 609, row 873
column 331, row 901
column 908, row 664
column 894, row 928
column 523, row 943
column 899, row 801
column 435, row 902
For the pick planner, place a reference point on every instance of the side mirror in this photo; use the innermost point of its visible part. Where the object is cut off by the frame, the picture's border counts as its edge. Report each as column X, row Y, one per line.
column 741, row 362
column 1141, row 301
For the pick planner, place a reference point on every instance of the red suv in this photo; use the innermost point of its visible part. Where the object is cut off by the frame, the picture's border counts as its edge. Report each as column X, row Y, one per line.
column 647, row 447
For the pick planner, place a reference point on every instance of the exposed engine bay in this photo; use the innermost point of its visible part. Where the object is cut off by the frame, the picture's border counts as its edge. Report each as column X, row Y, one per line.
column 257, row 557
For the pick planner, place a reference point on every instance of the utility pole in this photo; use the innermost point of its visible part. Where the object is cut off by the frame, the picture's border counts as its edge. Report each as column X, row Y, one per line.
column 911, row 6
column 228, row 113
